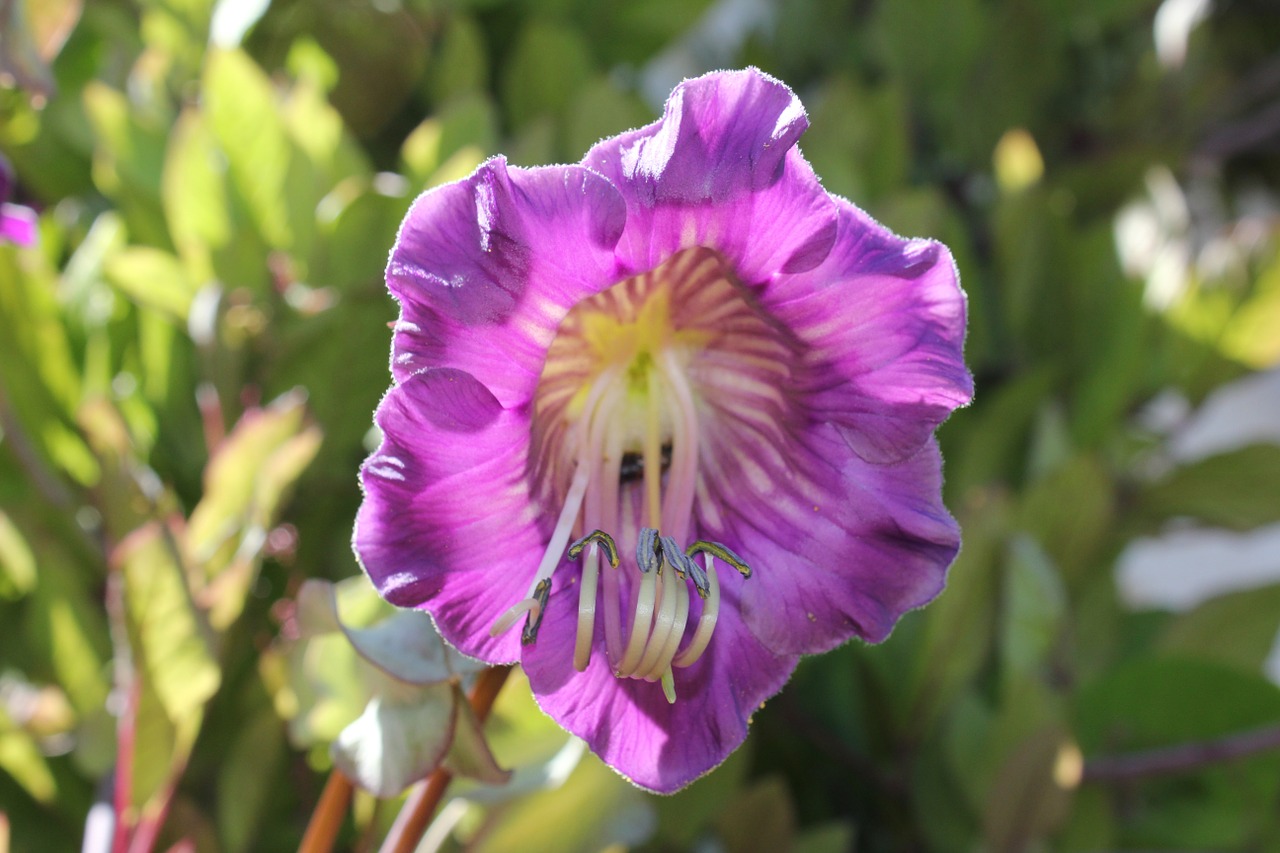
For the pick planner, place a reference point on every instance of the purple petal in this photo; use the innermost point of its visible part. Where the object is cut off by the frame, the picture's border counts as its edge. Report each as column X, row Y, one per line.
column 446, row 519
column 486, row 268
column 720, row 170
column 629, row 723
column 17, row 224
column 885, row 320
column 839, row 546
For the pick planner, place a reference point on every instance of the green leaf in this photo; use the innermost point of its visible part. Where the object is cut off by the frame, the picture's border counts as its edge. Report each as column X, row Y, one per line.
column 1031, row 795
column 469, row 754
column 1238, row 629
column 171, row 645
column 544, row 71
column 1034, row 603
column 1235, row 490
column 265, row 169
column 21, row 758
column 154, row 278
column 244, row 487
column 246, row 778
column 394, row 744
column 193, row 189
column 17, row 563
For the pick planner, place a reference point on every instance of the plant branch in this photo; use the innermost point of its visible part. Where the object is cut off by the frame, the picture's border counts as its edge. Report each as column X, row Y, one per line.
column 326, row 820
column 1183, row 757
column 425, row 797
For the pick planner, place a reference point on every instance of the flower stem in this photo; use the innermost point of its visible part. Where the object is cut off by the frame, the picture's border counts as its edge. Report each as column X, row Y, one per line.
column 327, row 819
column 1183, row 757
column 425, row 797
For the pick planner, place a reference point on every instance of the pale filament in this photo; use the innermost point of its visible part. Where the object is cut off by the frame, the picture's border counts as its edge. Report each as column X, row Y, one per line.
column 707, row 622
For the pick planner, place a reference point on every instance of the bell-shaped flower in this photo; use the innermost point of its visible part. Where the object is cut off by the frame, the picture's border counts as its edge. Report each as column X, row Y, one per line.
column 662, row 422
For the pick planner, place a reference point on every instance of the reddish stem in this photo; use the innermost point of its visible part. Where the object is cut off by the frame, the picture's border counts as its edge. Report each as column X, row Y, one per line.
column 327, row 819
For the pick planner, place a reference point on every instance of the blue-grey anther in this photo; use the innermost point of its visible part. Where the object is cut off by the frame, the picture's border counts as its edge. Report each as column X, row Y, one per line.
column 699, row 576
column 674, row 556
column 720, row 552
column 541, row 592
column 604, row 540
column 648, row 551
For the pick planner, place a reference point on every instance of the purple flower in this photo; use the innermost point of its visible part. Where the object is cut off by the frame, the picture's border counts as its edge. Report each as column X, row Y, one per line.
column 685, row 344
column 17, row 223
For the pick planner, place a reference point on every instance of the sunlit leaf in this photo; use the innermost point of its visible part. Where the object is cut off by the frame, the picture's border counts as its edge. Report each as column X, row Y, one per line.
column 17, row 563
column 394, row 744
column 172, row 647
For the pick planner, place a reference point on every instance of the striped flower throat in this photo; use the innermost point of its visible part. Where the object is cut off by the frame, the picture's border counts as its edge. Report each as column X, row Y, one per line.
column 624, row 431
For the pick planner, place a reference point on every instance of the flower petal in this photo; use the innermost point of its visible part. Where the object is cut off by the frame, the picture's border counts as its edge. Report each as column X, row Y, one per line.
column 17, row 224
column 447, row 520
column 486, row 268
column 884, row 318
column 720, row 170
column 629, row 723
column 839, row 546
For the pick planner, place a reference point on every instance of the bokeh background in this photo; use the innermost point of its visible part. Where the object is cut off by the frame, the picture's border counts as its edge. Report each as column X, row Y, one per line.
column 191, row 352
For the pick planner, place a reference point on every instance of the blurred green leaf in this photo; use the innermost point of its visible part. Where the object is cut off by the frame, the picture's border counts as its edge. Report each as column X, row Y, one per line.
column 17, row 563
column 1238, row 629
column 1236, row 490
column 154, row 278
column 193, row 189
column 1031, row 794
column 171, row 644
column 245, row 780
column 1032, row 608
column 244, row 485
column 545, row 71
column 20, row 757
column 469, row 755
column 760, row 818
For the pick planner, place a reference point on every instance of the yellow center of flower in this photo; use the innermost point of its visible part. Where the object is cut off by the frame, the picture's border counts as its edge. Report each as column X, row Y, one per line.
column 618, row 427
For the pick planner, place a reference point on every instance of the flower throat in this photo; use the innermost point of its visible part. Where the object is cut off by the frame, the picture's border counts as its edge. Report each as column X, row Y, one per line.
column 616, row 445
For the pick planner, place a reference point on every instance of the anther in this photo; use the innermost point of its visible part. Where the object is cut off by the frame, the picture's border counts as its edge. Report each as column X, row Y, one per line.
column 600, row 537
column 649, row 551
column 675, row 557
column 541, row 593
column 720, row 552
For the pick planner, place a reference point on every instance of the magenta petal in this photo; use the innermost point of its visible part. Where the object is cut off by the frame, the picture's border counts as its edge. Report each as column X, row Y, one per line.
column 843, row 555
column 720, row 169
column 486, row 268
column 17, row 224
column 446, row 521
column 659, row 746
column 885, row 318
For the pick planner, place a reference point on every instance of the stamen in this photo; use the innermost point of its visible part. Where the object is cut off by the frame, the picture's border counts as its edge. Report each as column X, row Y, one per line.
column 662, row 625
column 506, row 620
column 596, row 536
column 707, row 622
column 609, row 488
column 717, row 550
column 587, row 599
column 639, row 624
column 662, row 663
column 649, row 551
column 649, row 560
column 542, row 592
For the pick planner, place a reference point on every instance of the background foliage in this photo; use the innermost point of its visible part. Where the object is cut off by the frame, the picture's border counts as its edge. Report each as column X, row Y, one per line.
column 190, row 355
